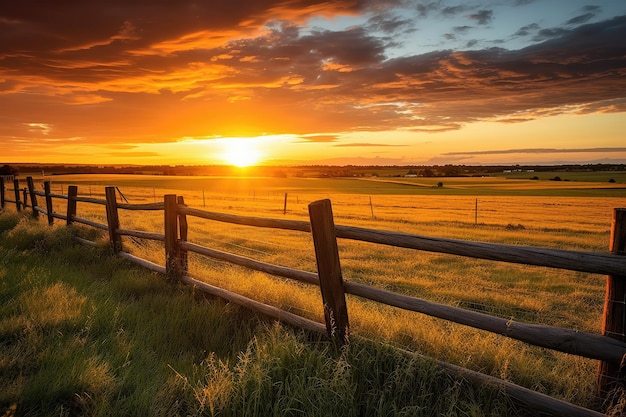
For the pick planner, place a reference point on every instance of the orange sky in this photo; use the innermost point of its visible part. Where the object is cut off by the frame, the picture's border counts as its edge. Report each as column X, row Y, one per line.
column 303, row 81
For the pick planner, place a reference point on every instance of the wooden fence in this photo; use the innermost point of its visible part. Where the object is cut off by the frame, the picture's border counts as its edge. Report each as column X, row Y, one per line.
column 609, row 348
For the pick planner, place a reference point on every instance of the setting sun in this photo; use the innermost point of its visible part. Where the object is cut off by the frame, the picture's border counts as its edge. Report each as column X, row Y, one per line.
column 240, row 152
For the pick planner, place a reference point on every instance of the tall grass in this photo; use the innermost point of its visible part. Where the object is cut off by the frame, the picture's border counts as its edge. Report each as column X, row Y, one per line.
column 517, row 292
column 84, row 333
column 522, row 293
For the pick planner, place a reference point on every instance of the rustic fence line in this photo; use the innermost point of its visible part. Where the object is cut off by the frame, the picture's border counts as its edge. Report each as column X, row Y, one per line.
column 609, row 348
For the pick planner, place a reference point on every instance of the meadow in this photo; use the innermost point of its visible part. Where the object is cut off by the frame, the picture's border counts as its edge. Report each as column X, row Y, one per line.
column 564, row 215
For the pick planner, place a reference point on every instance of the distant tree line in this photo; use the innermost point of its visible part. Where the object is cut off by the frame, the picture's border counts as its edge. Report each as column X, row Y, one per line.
column 320, row 171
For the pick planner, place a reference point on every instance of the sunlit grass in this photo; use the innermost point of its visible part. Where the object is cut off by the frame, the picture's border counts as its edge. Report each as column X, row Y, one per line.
column 522, row 293
column 85, row 333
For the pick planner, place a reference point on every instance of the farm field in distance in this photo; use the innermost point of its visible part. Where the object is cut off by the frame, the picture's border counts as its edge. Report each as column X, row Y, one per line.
column 574, row 215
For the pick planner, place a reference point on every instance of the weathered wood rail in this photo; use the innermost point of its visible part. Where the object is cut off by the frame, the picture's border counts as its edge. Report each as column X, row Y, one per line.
column 609, row 348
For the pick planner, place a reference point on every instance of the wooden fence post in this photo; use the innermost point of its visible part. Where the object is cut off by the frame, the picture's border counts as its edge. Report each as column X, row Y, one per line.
column 173, row 267
column 613, row 322
column 1, row 193
column 183, row 228
column 16, row 188
column 49, row 208
column 285, row 205
column 33, row 197
column 25, row 198
column 329, row 271
column 113, row 220
column 72, row 193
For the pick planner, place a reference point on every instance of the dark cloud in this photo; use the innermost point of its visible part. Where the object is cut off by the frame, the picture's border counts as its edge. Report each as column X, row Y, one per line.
column 588, row 13
column 91, row 24
column 424, row 9
column 550, row 33
column 389, row 24
column 527, row 29
column 482, row 17
column 578, row 20
column 592, row 9
column 462, row 29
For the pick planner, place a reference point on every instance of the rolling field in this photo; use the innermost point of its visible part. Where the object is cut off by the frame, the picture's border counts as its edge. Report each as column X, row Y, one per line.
column 564, row 215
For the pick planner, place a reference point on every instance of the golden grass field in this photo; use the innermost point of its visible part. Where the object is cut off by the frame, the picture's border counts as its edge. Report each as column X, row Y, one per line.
column 494, row 213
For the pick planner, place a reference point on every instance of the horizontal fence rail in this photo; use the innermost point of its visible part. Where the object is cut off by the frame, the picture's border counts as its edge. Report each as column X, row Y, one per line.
column 563, row 340
column 280, row 271
column 609, row 348
column 596, row 263
column 248, row 220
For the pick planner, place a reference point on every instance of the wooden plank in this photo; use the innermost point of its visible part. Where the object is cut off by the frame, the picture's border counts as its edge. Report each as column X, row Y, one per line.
column 170, row 221
column 33, row 196
column 113, row 221
column 280, row 271
column 88, row 223
column 1, row 193
column 597, row 263
column 145, row 263
column 614, row 318
column 72, row 192
column 16, row 188
column 183, row 232
column 329, row 271
column 25, row 198
column 271, row 311
column 148, row 206
column 62, row 196
column 142, row 234
column 49, row 208
column 91, row 200
column 86, row 242
column 248, row 220
column 564, row 340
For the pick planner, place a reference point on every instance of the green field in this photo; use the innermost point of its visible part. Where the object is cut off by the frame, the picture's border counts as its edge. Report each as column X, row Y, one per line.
column 83, row 333
column 593, row 184
column 564, row 215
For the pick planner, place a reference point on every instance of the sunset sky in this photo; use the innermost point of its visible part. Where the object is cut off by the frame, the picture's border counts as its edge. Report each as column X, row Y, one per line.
column 388, row 82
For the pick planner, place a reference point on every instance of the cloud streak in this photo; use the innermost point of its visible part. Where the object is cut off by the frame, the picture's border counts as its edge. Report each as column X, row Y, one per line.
column 539, row 151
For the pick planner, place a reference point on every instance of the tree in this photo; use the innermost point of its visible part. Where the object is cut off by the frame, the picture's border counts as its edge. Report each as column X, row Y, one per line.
column 7, row 170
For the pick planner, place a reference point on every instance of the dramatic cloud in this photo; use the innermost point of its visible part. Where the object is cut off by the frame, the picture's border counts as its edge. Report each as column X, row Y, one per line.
column 113, row 72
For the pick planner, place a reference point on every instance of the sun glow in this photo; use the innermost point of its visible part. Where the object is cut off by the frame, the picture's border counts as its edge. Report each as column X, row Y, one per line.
column 241, row 152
